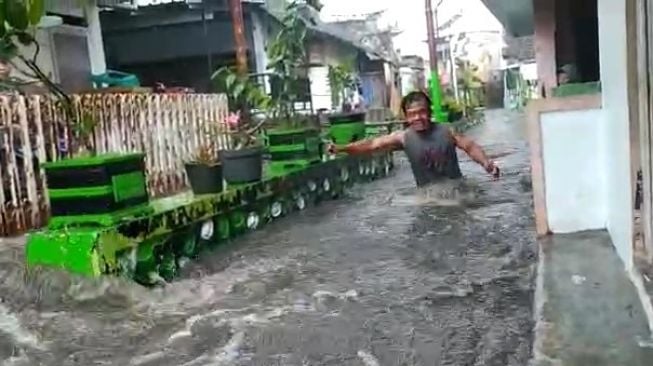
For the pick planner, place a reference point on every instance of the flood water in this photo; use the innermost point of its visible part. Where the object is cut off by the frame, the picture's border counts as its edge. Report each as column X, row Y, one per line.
column 386, row 276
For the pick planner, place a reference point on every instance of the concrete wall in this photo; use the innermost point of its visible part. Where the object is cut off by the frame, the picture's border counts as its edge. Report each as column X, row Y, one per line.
column 614, row 80
column 260, row 38
column 322, row 53
column 68, row 54
column 143, row 45
column 45, row 59
column 325, row 52
column 574, row 170
column 545, row 50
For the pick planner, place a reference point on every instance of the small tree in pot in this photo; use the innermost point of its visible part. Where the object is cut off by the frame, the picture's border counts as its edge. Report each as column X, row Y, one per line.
column 287, row 62
column 243, row 162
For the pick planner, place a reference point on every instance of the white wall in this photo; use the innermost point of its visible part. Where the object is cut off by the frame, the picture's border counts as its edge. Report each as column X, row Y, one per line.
column 613, row 62
column 320, row 89
column 45, row 59
column 95, row 41
column 574, row 171
column 322, row 54
column 259, row 39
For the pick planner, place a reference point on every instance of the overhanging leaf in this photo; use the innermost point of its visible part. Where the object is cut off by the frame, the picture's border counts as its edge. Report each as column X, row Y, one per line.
column 230, row 80
column 238, row 90
column 36, row 11
column 16, row 14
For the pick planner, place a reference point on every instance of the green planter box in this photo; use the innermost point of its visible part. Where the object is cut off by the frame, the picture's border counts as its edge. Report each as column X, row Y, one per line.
column 347, row 127
column 98, row 185
column 292, row 148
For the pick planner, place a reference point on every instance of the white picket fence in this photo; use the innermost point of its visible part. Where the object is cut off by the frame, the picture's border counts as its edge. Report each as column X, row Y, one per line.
column 168, row 128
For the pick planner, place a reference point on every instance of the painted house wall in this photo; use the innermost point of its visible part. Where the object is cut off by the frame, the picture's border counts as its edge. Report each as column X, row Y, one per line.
column 575, row 173
column 321, row 54
column 614, row 77
column 68, row 54
column 45, row 59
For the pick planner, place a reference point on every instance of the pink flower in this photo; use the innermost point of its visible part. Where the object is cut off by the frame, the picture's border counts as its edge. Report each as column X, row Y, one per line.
column 233, row 120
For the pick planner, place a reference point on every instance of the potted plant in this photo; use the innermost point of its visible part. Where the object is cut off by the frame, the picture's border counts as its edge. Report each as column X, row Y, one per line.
column 83, row 183
column 204, row 171
column 243, row 162
column 292, row 139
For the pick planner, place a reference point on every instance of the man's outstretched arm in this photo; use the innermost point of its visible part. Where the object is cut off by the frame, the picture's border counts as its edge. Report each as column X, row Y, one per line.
column 393, row 141
column 476, row 153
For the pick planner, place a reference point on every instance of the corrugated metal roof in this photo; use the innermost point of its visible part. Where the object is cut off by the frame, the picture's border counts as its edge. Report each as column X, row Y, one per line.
column 313, row 22
column 144, row 3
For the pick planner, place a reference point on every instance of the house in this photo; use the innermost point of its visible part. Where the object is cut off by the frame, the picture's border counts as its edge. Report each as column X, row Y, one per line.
column 179, row 43
column 519, row 71
column 361, row 40
column 199, row 40
column 70, row 44
column 412, row 74
column 590, row 134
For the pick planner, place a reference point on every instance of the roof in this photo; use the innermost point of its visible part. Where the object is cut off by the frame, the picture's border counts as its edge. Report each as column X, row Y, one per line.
column 334, row 30
column 366, row 33
column 519, row 48
column 515, row 15
column 135, row 4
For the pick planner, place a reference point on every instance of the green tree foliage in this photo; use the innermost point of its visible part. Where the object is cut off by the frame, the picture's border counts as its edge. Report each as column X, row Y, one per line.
column 340, row 78
column 288, row 60
column 470, row 84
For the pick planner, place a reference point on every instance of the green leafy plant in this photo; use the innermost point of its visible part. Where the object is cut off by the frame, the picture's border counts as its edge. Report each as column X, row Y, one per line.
column 244, row 94
column 18, row 22
column 288, row 62
column 470, row 84
column 206, row 155
column 340, row 78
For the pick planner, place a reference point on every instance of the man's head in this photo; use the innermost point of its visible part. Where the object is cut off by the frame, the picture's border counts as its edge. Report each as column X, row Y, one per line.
column 417, row 109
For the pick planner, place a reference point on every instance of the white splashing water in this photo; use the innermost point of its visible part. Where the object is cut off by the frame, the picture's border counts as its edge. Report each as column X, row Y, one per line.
column 10, row 325
column 368, row 358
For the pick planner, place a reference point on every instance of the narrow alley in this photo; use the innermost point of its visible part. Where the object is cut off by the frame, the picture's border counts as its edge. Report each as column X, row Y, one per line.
column 380, row 278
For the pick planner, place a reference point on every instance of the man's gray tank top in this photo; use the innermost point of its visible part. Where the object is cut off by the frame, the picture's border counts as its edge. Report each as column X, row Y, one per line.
column 432, row 155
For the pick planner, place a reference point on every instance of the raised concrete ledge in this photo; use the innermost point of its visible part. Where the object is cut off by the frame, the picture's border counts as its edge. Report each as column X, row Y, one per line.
column 587, row 310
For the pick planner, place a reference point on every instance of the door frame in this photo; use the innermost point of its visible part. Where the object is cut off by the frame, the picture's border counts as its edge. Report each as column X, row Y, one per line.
column 641, row 118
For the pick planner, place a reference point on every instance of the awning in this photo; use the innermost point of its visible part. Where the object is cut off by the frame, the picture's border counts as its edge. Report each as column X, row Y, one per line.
column 515, row 15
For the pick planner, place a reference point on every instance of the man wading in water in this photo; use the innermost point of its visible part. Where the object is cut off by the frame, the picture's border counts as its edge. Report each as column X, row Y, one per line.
column 430, row 147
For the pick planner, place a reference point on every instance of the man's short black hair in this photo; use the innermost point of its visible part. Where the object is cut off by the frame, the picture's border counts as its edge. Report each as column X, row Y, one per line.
column 415, row 96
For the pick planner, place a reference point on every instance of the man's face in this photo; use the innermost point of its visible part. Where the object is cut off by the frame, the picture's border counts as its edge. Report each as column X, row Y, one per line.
column 418, row 116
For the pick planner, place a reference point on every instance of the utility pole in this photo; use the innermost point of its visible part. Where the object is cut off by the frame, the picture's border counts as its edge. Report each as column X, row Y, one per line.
column 238, row 24
column 430, row 30
column 434, row 82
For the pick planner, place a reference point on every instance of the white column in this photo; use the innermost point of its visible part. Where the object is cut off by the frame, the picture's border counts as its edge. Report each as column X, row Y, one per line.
column 259, row 37
column 616, row 147
column 94, row 39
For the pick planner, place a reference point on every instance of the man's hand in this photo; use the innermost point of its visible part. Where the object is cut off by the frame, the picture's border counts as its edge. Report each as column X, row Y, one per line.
column 332, row 148
column 492, row 168
column 477, row 154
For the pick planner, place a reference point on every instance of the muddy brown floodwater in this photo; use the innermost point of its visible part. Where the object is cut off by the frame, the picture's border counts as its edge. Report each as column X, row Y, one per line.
column 383, row 277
